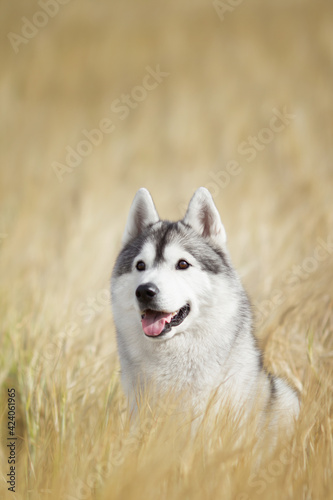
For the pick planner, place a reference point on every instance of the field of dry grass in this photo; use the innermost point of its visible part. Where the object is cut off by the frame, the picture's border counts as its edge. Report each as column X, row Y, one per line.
column 97, row 100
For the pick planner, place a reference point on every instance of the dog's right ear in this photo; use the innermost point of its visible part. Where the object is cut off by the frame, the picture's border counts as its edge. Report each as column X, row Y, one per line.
column 142, row 213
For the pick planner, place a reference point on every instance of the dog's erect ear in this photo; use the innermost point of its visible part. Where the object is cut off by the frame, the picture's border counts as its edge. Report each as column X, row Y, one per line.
column 203, row 216
column 142, row 213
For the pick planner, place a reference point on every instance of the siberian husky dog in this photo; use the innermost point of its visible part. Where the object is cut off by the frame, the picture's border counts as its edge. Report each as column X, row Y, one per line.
column 182, row 317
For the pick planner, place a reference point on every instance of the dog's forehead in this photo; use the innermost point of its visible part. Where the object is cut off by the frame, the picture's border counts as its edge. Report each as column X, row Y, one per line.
column 148, row 251
column 151, row 252
column 166, row 237
column 163, row 241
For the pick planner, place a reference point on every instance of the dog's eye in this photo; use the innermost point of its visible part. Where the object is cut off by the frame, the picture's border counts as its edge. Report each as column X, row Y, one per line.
column 182, row 264
column 141, row 266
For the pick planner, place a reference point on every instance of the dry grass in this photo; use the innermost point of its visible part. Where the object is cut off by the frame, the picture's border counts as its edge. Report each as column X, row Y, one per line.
column 59, row 239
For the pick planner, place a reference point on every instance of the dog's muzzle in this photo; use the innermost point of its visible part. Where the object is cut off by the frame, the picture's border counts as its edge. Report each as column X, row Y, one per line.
column 156, row 322
column 146, row 294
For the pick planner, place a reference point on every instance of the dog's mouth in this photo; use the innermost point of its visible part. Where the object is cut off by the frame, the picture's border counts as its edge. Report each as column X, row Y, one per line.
column 157, row 323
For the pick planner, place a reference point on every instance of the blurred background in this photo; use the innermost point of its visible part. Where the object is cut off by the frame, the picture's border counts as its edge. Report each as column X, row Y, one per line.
column 99, row 98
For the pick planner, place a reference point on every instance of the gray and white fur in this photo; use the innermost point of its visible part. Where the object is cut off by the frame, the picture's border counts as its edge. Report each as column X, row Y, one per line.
column 179, row 274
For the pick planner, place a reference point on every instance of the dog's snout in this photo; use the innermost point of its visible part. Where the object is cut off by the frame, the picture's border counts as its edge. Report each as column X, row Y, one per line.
column 146, row 292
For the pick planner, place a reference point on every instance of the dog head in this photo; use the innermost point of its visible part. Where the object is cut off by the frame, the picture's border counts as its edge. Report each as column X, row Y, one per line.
column 172, row 276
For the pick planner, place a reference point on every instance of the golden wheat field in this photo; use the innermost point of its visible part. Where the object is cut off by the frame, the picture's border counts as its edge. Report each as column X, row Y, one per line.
column 97, row 100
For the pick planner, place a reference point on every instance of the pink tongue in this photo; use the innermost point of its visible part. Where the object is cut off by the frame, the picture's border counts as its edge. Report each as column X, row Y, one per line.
column 154, row 322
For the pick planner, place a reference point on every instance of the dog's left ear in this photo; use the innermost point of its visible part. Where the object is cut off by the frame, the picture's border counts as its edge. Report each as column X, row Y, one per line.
column 141, row 214
column 203, row 216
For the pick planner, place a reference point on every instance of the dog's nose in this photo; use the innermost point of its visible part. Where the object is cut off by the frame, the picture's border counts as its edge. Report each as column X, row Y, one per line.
column 146, row 292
